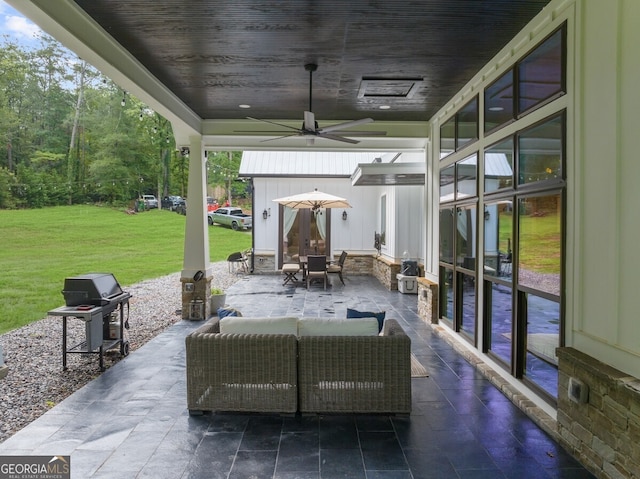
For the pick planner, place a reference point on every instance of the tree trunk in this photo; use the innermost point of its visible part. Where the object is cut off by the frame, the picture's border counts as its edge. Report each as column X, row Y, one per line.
column 71, row 161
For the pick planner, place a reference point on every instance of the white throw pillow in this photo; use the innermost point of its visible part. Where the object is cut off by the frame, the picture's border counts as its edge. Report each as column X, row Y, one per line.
column 338, row 327
column 245, row 325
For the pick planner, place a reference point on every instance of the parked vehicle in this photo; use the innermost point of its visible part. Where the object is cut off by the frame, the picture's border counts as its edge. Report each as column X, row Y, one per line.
column 150, row 201
column 212, row 204
column 230, row 216
column 181, row 207
column 170, row 202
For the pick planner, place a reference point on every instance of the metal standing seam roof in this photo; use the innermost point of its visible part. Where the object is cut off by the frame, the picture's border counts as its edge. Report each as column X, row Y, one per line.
column 496, row 165
column 302, row 163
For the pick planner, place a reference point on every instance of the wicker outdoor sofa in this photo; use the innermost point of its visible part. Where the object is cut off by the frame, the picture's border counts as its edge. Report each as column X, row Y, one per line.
column 303, row 372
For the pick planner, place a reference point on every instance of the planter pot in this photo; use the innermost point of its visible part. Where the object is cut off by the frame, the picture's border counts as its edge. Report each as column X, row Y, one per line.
column 217, row 301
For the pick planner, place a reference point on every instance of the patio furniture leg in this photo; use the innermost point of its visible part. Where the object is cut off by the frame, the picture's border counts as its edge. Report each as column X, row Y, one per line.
column 290, row 271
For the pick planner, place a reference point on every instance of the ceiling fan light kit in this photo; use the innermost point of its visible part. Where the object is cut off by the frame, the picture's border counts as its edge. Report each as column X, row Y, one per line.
column 310, row 128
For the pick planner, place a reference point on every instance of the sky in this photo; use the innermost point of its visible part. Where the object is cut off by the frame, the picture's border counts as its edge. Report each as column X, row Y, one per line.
column 17, row 27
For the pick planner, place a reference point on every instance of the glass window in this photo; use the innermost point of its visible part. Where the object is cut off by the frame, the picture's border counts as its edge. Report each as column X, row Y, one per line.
column 448, row 137
column 541, row 73
column 498, row 102
column 498, row 231
column 540, row 152
column 540, row 243
column 468, row 305
column 500, row 308
column 447, row 181
column 466, row 176
column 446, row 293
column 498, row 167
column 446, row 235
column 466, row 236
column 467, row 119
column 543, row 337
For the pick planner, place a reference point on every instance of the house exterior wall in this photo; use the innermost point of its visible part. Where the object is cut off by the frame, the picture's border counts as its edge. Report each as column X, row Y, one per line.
column 405, row 221
column 354, row 235
column 602, row 326
column 601, row 333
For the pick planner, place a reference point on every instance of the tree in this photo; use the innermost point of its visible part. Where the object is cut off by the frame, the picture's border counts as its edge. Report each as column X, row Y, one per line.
column 222, row 170
column 68, row 134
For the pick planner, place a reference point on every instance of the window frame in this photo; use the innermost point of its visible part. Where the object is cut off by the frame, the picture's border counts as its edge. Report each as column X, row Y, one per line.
column 456, row 121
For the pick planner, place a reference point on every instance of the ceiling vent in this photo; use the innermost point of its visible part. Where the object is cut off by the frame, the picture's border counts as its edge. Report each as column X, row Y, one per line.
column 372, row 87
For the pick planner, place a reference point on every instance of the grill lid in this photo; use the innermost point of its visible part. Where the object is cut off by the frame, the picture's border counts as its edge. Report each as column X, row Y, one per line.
column 94, row 288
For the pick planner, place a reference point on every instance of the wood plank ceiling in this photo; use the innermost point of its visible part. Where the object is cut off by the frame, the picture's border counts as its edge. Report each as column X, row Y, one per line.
column 217, row 54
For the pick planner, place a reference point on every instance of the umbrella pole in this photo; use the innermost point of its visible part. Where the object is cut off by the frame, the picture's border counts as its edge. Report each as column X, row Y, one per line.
column 315, row 214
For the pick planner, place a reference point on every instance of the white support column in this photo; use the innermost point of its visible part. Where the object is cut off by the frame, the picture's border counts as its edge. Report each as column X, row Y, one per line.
column 196, row 238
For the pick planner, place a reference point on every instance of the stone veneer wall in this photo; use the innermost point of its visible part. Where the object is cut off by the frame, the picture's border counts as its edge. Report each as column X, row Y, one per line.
column 354, row 265
column 604, row 431
column 428, row 300
column 358, row 265
column 385, row 271
column 264, row 264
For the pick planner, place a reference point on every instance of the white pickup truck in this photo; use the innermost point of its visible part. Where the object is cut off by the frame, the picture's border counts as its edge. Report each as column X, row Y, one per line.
column 229, row 216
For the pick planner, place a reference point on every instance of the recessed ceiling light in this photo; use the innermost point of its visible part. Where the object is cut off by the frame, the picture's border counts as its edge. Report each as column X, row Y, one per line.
column 384, row 107
column 244, row 106
column 496, row 108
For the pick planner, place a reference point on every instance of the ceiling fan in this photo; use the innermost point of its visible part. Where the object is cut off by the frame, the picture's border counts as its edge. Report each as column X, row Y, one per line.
column 310, row 129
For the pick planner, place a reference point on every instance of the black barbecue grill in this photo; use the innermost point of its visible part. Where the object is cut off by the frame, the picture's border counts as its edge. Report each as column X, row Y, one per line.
column 98, row 300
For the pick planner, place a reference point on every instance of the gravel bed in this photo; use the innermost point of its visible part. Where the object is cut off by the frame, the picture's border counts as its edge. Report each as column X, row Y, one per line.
column 36, row 382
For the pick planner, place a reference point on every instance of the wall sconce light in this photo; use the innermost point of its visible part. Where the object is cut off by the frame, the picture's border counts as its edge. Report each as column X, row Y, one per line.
column 265, row 214
column 344, row 215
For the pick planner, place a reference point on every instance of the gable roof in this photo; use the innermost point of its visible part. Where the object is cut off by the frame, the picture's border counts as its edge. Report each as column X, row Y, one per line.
column 312, row 164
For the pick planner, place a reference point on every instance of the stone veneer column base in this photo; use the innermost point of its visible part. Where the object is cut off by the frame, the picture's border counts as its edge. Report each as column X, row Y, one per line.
column 196, row 291
column 428, row 300
column 604, row 431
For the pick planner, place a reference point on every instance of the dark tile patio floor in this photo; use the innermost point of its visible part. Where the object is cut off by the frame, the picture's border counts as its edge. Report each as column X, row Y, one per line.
column 132, row 421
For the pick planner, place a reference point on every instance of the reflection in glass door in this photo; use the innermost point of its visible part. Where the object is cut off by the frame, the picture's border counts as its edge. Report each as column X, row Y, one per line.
column 539, row 282
column 290, row 234
column 303, row 233
column 498, row 271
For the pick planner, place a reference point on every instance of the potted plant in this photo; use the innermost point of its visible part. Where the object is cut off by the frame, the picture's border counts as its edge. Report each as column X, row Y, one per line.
column 217, row 300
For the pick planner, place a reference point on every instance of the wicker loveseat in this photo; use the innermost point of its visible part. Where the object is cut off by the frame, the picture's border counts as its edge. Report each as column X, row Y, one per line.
column 355, row 374
column 241, row 372
column 307, row 372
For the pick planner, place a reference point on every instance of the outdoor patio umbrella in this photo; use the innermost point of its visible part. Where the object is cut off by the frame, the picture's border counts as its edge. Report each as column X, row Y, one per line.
column 314, row 200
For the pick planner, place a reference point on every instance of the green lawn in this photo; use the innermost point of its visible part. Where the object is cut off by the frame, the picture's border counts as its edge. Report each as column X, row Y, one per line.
column 41, row 247
column 539, row 241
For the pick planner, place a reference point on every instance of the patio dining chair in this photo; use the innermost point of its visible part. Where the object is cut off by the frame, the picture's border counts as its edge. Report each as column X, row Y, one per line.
column 316, row 269
column 336, row 268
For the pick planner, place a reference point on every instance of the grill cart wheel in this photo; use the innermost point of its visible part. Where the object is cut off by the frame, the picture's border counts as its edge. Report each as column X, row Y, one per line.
column 124, row 350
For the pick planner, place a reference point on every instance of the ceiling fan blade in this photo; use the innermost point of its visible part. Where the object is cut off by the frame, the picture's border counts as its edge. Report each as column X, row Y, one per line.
column 280, row 137
column 263, row 132
column 329, row 136
column 347, row 124
column 309, row 121
column 274, row 123
column 360, row 133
